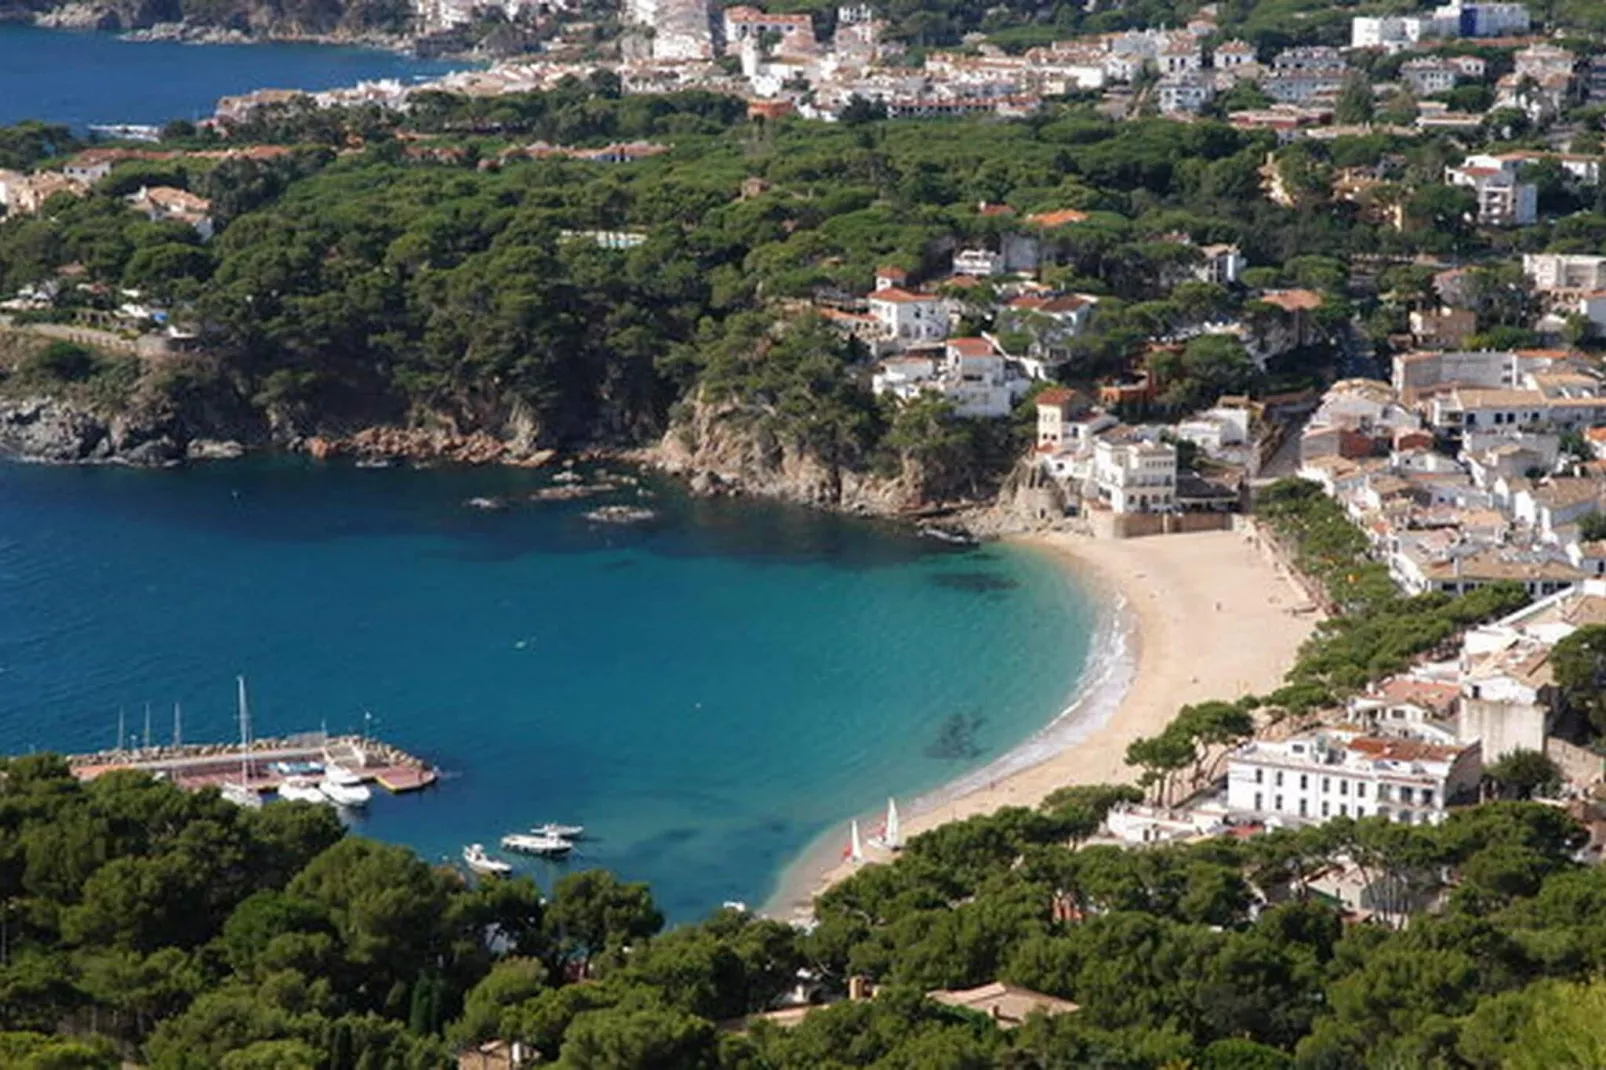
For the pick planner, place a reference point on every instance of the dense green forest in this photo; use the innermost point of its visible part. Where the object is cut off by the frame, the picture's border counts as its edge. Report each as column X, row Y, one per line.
column 433, row 274
column 143, row 922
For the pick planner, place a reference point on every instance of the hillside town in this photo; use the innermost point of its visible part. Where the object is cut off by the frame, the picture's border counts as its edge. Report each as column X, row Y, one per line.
column 1425, row 73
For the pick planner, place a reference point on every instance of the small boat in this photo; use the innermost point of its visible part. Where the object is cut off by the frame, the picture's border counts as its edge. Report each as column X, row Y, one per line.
column 296, row 769
column 240, row 795
column 561, row 832
column 344, row 794
column 302, row 789
column 955, row 538
column 487, row 504
column 475, row 858
column 545, row 846
column 893, row 835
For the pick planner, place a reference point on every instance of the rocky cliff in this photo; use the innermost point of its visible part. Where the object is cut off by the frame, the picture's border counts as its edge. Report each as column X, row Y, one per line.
column 729, row 448
column 51, row 429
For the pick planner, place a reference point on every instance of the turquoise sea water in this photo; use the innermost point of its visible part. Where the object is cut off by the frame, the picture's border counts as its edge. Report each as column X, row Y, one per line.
column 706, row 693
column 82, row 78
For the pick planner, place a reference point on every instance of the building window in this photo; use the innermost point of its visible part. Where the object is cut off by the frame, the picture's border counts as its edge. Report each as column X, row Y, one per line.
column 1360, row 790
column 1259, row 801
column 1427, row 796
column 1405, row 794
column 1405, row 817
column 1327, row 784
column 1279, row 782
column 1304, row 782
column 1382, row 793
column 1383, row 812
column 1260, row 776
column 1303, row 809
column 1279, row 802
column 1325, row 808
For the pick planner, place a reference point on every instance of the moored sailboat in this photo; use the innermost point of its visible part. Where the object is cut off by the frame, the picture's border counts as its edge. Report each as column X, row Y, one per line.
column 242, row 793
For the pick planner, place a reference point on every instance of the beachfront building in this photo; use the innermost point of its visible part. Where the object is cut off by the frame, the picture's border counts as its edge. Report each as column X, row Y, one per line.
column 1056, row 407
column 1321, row 775
column 1134, row 472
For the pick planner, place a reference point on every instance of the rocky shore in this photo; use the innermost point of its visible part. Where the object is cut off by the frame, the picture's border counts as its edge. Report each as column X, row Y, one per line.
column 711, row 455
column 417, row 445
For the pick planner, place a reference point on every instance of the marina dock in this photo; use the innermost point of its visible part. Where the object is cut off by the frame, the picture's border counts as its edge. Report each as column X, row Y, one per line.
column 197, row 765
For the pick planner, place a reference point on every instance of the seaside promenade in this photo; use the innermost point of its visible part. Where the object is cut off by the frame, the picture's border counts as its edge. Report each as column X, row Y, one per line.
column 1211, row 617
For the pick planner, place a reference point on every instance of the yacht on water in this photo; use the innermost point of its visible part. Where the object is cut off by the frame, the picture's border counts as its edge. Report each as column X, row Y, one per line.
column 475, row 858
column 545, row 846
column 302, row 789
column 561, row 832
column 344, row 792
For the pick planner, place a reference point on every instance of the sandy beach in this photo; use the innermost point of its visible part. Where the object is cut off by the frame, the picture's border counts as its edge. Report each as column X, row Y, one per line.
column 1213, row 618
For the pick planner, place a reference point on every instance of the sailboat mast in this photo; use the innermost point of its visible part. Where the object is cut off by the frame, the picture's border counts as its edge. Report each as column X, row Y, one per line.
column 119, row 730
column 245, row 735
column 178, row 726
column 145, row 740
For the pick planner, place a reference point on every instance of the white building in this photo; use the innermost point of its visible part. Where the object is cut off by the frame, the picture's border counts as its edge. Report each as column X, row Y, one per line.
column 1502, row 200
column 1056, row 407
column 977, row 380
column 1216, row 430
column 908, row 318
column 1507, row 690
column 1324, row 775
column 1222, row 264
column 1553, row 272
column 1185, row 92
column 979, row 263
column 1133, row 473
column 1392, row 33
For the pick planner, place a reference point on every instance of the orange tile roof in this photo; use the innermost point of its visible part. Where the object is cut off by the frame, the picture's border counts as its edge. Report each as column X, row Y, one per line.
column 1057, row 219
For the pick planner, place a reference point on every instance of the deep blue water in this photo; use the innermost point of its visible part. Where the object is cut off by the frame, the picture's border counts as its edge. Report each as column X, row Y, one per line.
column 82, row 78
column 706, row 693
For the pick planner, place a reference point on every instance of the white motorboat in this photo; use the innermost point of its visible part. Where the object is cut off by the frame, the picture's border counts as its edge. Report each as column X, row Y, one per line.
column 545, row 846
column 475, row 858
column 302, row 789
column 350, row 795
column 562, row 832
column 339, row 774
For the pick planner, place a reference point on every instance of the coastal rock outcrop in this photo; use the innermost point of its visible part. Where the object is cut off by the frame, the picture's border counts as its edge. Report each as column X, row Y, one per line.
column 728, row 448
column 57, row 431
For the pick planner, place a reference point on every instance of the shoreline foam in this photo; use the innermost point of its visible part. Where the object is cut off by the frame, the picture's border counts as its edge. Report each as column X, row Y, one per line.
column 1159, row 590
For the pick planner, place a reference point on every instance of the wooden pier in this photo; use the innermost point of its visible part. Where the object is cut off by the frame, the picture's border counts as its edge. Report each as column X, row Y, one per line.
column 198, row 765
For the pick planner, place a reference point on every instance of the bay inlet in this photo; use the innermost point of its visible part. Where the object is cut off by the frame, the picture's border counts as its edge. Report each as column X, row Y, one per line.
column 707, row 692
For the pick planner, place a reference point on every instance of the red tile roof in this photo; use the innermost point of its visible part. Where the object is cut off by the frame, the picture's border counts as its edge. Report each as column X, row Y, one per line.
column 971, row 347
column 899, row 297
